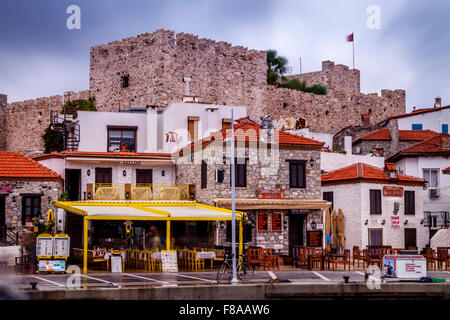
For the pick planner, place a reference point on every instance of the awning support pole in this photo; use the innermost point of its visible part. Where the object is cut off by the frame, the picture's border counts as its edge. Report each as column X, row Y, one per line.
column 168, row 235
column 241, row 237
column 85, row 244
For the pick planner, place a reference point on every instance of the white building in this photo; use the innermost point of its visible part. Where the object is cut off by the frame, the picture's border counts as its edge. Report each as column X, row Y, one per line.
column 429, row 159
column 147, row 129
column 435, row 119
column 380, row 206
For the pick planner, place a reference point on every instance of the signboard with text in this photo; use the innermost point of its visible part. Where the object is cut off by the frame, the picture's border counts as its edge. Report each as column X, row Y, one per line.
column 52, row 265
column 395, row 221
column 169, row 262
column 314, row 238
column 277, row 224
column 263, row 221
column 392, row 191
column 271, row 194
column 408, row 267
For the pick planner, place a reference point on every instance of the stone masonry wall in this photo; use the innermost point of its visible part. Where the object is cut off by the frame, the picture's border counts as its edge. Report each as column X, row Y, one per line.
column 13, row 205
column 368, row 145
column 155, row 64
column 334, row 77
column 26, row 121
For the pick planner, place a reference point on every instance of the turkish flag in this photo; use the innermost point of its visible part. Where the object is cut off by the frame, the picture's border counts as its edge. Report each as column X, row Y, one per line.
column 350, row 38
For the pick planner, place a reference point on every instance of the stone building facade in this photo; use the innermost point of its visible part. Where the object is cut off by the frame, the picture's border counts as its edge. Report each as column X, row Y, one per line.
column 260, row 176
column 148, row 70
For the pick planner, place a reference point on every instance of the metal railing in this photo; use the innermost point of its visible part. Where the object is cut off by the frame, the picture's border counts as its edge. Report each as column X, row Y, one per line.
column 436, row 219
column 8, row 236
column 140, row 191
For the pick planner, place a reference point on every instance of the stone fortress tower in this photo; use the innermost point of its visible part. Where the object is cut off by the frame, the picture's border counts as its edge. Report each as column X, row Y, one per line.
column 148, row 70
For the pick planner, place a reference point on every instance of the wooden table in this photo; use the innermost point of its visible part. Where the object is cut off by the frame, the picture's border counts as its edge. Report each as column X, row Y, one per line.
column 334, row 256
column 315, row 257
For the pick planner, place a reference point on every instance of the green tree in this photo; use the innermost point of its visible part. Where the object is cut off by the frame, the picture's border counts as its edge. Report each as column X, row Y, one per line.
column 53, row 141
column 276, row 67
column 295, row 84
column 71, row 107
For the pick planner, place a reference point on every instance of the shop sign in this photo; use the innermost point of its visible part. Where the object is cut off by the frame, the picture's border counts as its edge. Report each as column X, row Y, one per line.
column 6, row 187
column 52, row 265
column 395, row 221
column 61, row 247
column 263, row 221
column 392, row 191
column 277, row 221
column 314, row 238
column 271, row 194
column 411, row 267
column 123, row 163
column 44, row 246
column 169, row 262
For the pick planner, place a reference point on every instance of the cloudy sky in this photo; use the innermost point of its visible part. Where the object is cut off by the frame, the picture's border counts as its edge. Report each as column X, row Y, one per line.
column 40, row 56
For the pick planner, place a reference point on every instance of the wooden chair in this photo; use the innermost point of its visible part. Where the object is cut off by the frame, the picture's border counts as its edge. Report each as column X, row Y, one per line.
column 298, row 256
column 271, row 260
column 371, row 257
column 255, row 256
column 357, row 255
column 443, row 257
column 430, row 256
column 346, row 260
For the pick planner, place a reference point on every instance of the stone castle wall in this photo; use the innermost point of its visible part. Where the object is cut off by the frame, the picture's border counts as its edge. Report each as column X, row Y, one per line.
column 335, row 77
column 155, row 64
column 25, row 121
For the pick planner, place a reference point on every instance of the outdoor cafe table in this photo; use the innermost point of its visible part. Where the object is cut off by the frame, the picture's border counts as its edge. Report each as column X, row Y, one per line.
column 316, row 257
column 207, row 255
column 334, row 256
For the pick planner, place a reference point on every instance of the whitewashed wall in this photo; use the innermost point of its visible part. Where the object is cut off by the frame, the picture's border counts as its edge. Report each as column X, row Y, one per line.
column 429, row 120
column 333, row 161
column 414, row 167
column 354, row 200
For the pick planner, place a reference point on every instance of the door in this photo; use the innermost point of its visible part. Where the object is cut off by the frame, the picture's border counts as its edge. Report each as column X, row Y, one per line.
column 2, row 211
column 410, row 238
column 329, row 197
column 103, row 175
column 296, row 231
column 72, row 183
column 375, row 237
column 144, row 176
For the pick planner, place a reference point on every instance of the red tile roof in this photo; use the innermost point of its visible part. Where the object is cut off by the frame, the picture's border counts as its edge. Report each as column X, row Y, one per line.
column 436, row 144
column 415, row 112
column 120, row 154
column 247, row 130
column 446, row 170
column 384, row 134
column 364, row 172
column 17, row 166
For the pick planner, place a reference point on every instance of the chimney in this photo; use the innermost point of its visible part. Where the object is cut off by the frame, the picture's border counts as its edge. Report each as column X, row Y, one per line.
column 366, row 120
column 395, row 140
column 348, row 144
column 186, row 86
column 437, row 102
column 390, row 170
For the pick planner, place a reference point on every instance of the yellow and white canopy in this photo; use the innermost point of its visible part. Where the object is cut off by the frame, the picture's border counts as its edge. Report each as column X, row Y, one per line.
column 147, row 210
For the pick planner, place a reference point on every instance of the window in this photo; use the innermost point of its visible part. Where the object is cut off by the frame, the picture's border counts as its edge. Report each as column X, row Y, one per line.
column 247, row 232
column 410, row 207
column 297, row 176
column 125, row 81
column 329, row 197
column 445, row 128
column 375, row 201
column 103, row 175
column 144, row 175
column 193, row 128
column 375, row 237
column 262, row 221
column 122, row 139
column 240, row 173
column 204, row 175
column 432, row 178
column 31, row 208
column 226, row 123
column 416, row 126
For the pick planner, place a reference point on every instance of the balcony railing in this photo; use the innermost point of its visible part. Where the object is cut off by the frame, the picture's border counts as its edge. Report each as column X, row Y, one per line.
column 437, row 219
column 138, row 191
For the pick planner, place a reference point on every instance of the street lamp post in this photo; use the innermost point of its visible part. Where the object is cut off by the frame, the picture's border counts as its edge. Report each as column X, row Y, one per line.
column 233, row 204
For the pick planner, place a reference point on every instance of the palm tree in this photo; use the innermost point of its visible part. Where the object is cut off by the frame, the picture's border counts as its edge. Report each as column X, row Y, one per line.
column 276, row 66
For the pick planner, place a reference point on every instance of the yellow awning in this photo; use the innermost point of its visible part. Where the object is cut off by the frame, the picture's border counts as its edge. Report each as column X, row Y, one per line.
column 146, row 210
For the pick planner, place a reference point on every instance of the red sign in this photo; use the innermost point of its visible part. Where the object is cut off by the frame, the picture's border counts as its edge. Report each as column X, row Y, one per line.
column 276, row 221
column 6, row 187
column 314, row 238
column 271, row 194
column 391, row 191
column 263, row 223
column 395, row 221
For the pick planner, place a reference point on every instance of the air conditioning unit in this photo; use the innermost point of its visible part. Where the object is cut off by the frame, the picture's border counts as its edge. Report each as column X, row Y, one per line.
column 433, row 193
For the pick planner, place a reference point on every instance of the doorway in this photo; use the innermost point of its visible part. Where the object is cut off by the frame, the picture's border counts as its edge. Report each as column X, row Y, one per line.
column 73, row 184
column 376, row 237
column 296, row 230
column 410, row 238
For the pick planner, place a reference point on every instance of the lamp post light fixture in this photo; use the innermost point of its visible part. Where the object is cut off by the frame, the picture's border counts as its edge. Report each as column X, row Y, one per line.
column 406, row 222
column 124, row 173
column 384, row 222
column 313, row 225
column 366, row 222
column 88, row 172
column 311, row 162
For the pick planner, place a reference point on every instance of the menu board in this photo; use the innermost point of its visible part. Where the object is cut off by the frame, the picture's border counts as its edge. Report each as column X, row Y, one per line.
column 169, row 262
column 44, row 246
column 314, row 238
column 52, row 265
column 61, row 247
column 276, row 221
column 263, row 222
column 116, row 263
column 407, row 267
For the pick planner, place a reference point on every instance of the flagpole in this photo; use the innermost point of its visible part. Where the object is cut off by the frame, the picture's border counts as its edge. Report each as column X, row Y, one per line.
column 353, row 42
